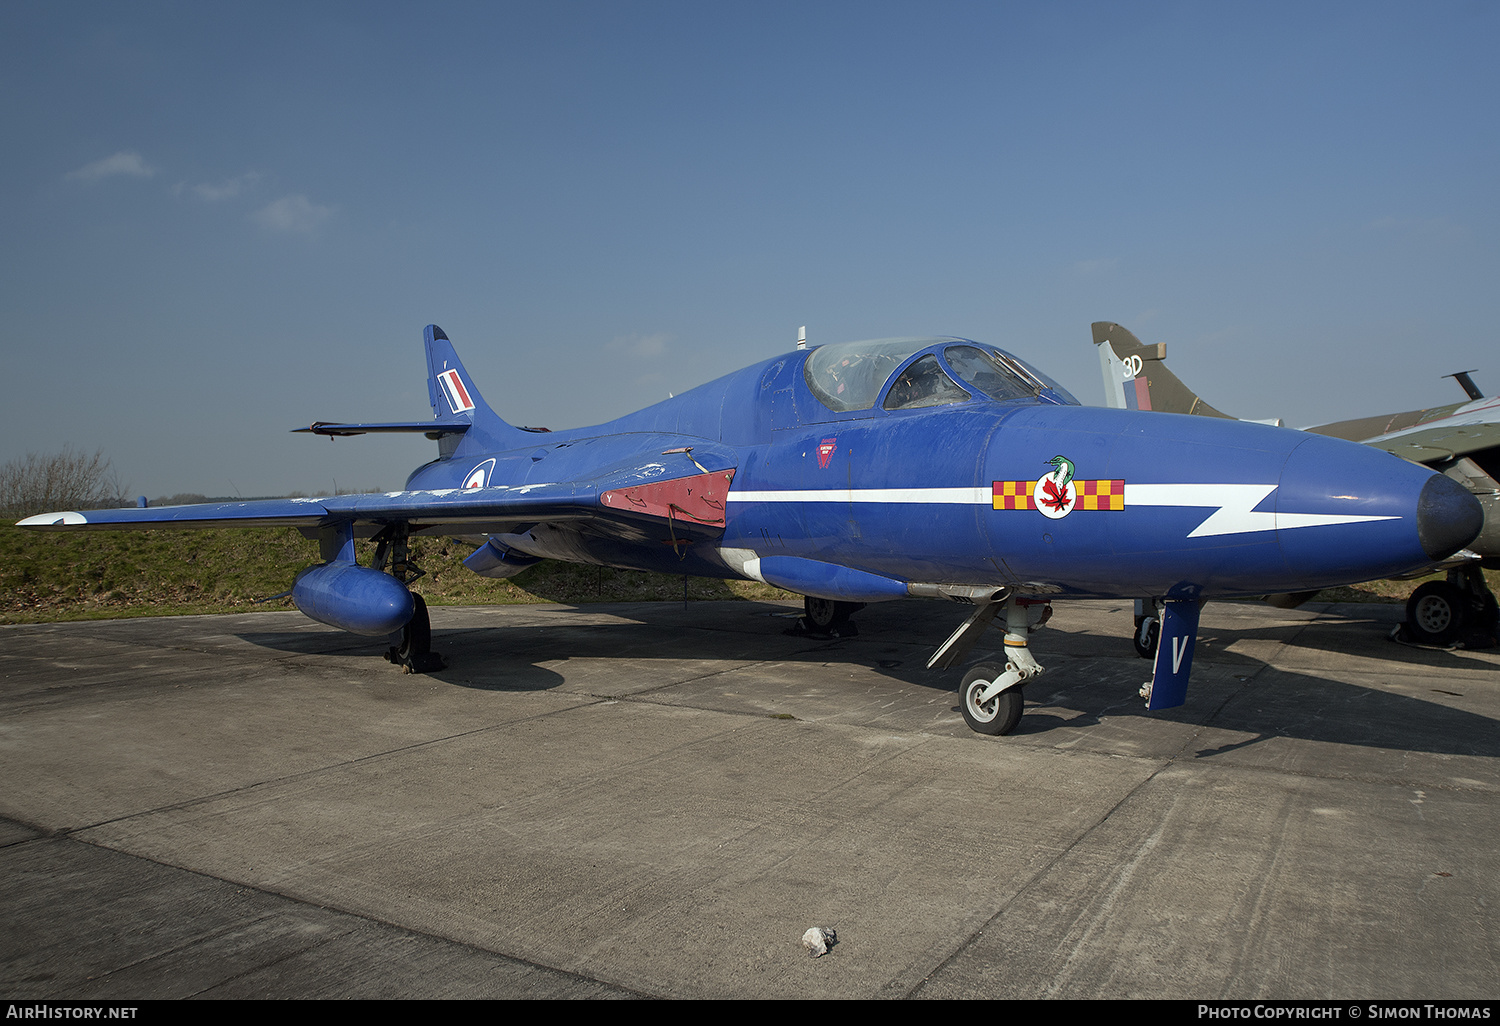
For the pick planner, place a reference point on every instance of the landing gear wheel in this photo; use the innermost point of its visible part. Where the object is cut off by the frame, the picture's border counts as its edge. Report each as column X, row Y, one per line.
column 1437, row 613
column 820, row 612
column 825, row 616
column 415, row 654
column 1147, row 635
column 997, row 716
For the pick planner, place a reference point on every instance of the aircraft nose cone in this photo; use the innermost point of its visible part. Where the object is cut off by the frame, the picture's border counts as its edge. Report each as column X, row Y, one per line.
column 1374, row 515
column 1448, row 517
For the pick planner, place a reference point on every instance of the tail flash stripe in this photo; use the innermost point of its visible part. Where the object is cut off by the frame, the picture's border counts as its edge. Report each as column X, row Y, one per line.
column 458, row 396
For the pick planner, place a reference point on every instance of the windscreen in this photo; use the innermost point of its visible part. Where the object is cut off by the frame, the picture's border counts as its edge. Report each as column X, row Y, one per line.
column 987, row 373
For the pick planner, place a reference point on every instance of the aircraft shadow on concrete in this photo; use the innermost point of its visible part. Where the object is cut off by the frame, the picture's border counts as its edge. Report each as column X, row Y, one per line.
column 1092, row 676
column 510, row 674
column 1254, row 698
column 1342, row 627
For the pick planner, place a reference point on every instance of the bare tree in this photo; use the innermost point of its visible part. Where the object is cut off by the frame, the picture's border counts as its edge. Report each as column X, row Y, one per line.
column 64, row 480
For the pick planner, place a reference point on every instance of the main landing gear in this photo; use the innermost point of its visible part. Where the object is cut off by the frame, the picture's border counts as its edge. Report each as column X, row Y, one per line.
column 1459, row 608
column 990, row 696
column 414, row 653
column 826, row 618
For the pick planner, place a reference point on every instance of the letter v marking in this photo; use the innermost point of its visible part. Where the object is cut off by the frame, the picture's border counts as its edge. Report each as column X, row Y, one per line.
column 1179, row 652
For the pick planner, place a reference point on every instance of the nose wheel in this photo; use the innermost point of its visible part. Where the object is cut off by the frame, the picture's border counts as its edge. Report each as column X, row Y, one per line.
column 996, row 715
column 1147, row 636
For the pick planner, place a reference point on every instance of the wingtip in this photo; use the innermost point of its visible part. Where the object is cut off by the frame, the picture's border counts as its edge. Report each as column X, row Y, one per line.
column 63, row 519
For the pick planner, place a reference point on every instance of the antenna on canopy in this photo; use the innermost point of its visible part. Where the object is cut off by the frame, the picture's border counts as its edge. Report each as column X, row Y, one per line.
column 802, row 337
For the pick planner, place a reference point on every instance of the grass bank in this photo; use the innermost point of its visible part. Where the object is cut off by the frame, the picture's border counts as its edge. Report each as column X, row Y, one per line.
column 48, row 576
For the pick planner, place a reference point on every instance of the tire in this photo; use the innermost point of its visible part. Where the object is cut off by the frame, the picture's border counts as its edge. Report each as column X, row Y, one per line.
column 415, row 653
column 1437, row 613
column 825, row 614
column 821, row 613
column 1146, row 637
column 416, row 636
column 997, row 716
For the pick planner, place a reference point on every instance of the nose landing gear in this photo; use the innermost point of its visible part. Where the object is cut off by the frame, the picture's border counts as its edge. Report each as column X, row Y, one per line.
column 990, row 697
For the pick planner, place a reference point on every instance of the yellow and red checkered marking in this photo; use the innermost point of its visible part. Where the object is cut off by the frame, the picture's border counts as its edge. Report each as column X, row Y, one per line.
column 1014, row 495
column 1093, row 495
column 1100, row 494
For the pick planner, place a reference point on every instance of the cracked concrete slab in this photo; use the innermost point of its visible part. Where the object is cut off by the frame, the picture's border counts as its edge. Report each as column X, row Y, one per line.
column 658, row 800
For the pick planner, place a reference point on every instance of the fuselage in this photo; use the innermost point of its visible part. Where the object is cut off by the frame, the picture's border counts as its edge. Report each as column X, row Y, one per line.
column 1030, row 492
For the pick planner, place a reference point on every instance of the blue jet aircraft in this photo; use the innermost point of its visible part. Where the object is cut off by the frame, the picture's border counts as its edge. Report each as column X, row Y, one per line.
column 865, row 471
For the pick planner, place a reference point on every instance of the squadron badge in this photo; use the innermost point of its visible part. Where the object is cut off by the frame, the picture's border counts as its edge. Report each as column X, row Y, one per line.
column 1057, row 494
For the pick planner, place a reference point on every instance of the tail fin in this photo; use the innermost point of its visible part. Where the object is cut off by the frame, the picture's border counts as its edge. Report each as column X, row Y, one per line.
column 1136, row 378
column 455, row 397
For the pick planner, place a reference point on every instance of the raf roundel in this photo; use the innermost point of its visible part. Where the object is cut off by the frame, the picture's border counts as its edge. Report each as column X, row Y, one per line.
column 480, row 475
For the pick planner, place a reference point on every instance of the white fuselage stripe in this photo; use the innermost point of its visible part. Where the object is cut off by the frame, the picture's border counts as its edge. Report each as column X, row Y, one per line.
column 943, row 496
column 1135, row 495
column 1235, row 512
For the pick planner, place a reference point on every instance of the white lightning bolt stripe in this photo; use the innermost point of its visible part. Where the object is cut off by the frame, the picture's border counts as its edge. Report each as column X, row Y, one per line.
column 1236, row 508
column 1235, row 513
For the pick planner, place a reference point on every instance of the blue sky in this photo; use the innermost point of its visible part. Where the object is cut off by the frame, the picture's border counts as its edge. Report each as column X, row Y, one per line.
column 225, row 220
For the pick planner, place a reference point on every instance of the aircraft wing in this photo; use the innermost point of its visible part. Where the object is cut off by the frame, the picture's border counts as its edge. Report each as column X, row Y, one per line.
column 471, row 508
column 655, row 482
column 1470, row 429
column 254, row 513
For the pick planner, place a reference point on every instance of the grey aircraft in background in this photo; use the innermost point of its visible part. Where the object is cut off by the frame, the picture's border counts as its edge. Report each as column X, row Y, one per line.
column 1461, row 441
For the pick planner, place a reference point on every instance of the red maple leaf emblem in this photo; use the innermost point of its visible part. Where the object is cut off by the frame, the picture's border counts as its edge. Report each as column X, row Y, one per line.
column 1056, row 498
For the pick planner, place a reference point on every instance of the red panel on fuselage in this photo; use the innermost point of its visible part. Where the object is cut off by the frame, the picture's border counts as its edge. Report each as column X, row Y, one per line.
column 699, row 499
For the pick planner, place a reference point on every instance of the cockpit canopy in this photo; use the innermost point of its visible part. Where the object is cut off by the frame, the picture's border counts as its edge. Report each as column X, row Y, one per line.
column 848, row 376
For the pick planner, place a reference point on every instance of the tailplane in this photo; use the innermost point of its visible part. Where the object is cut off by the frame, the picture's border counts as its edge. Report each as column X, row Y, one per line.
column 461, row 420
